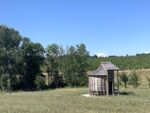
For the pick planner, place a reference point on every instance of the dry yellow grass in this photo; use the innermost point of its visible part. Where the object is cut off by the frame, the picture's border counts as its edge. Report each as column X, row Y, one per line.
column 143, row 73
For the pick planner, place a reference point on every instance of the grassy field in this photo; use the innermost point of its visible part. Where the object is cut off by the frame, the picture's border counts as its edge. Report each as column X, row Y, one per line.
column 70, row 100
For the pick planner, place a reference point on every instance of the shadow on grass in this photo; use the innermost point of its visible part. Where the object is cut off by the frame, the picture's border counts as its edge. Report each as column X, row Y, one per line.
column 126, row 93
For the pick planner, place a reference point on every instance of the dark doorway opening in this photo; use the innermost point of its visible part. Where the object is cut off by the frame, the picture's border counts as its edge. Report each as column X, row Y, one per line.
column 110, row 88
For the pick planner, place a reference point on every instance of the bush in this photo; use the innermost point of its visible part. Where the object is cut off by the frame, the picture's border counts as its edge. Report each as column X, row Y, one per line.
column 4, row 83
column 40, row 83
column 9, row 84
column 134, row 79
column 124, row 78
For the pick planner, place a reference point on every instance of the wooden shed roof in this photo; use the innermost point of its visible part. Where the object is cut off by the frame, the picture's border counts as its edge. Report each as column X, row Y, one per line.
column 103, row 68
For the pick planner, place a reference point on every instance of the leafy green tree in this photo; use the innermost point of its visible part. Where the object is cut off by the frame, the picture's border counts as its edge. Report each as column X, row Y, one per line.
column 134, row 79
column 75, row 66
column 52, row 70
column 33, row 57
column 9, row 47
column 124, row 79
column 82, row 65
column 54, row 64
column 53, row 50
column 70, row 67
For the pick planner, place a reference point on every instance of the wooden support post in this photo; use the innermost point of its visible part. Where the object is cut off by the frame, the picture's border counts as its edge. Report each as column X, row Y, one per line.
column 117, row 82
column 107, row 86
column 113, row 88
column 89, row 85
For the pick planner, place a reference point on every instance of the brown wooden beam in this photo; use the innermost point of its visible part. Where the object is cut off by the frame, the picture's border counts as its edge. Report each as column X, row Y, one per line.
column 117, row 82
column 107, row 87
column 113, row 88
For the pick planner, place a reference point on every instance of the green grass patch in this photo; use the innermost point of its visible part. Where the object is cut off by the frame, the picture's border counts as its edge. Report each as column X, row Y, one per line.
column 70, row 100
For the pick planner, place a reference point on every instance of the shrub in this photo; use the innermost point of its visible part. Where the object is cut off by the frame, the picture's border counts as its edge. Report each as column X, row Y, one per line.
column 134, row 79
column 4, row 82
column 124, row 78
column 40, row 83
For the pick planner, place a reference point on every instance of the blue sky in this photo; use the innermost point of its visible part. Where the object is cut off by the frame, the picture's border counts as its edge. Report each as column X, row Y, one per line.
column 115, row 27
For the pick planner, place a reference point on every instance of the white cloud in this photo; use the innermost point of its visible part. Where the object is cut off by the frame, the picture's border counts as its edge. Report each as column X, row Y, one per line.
column 102, row 54
column 146, row 52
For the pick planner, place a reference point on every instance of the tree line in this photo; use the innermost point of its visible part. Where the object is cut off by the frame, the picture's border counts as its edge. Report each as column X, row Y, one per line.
column 138, row 61
column 23, row 63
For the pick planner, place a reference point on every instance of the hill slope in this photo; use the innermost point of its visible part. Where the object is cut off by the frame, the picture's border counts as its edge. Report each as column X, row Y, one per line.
column 139, row 61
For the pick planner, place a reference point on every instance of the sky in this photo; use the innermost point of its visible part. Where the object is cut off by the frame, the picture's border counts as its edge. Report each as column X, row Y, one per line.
column 106, row 27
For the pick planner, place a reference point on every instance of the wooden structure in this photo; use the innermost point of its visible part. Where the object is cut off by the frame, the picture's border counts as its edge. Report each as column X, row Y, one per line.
column 101, row 81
